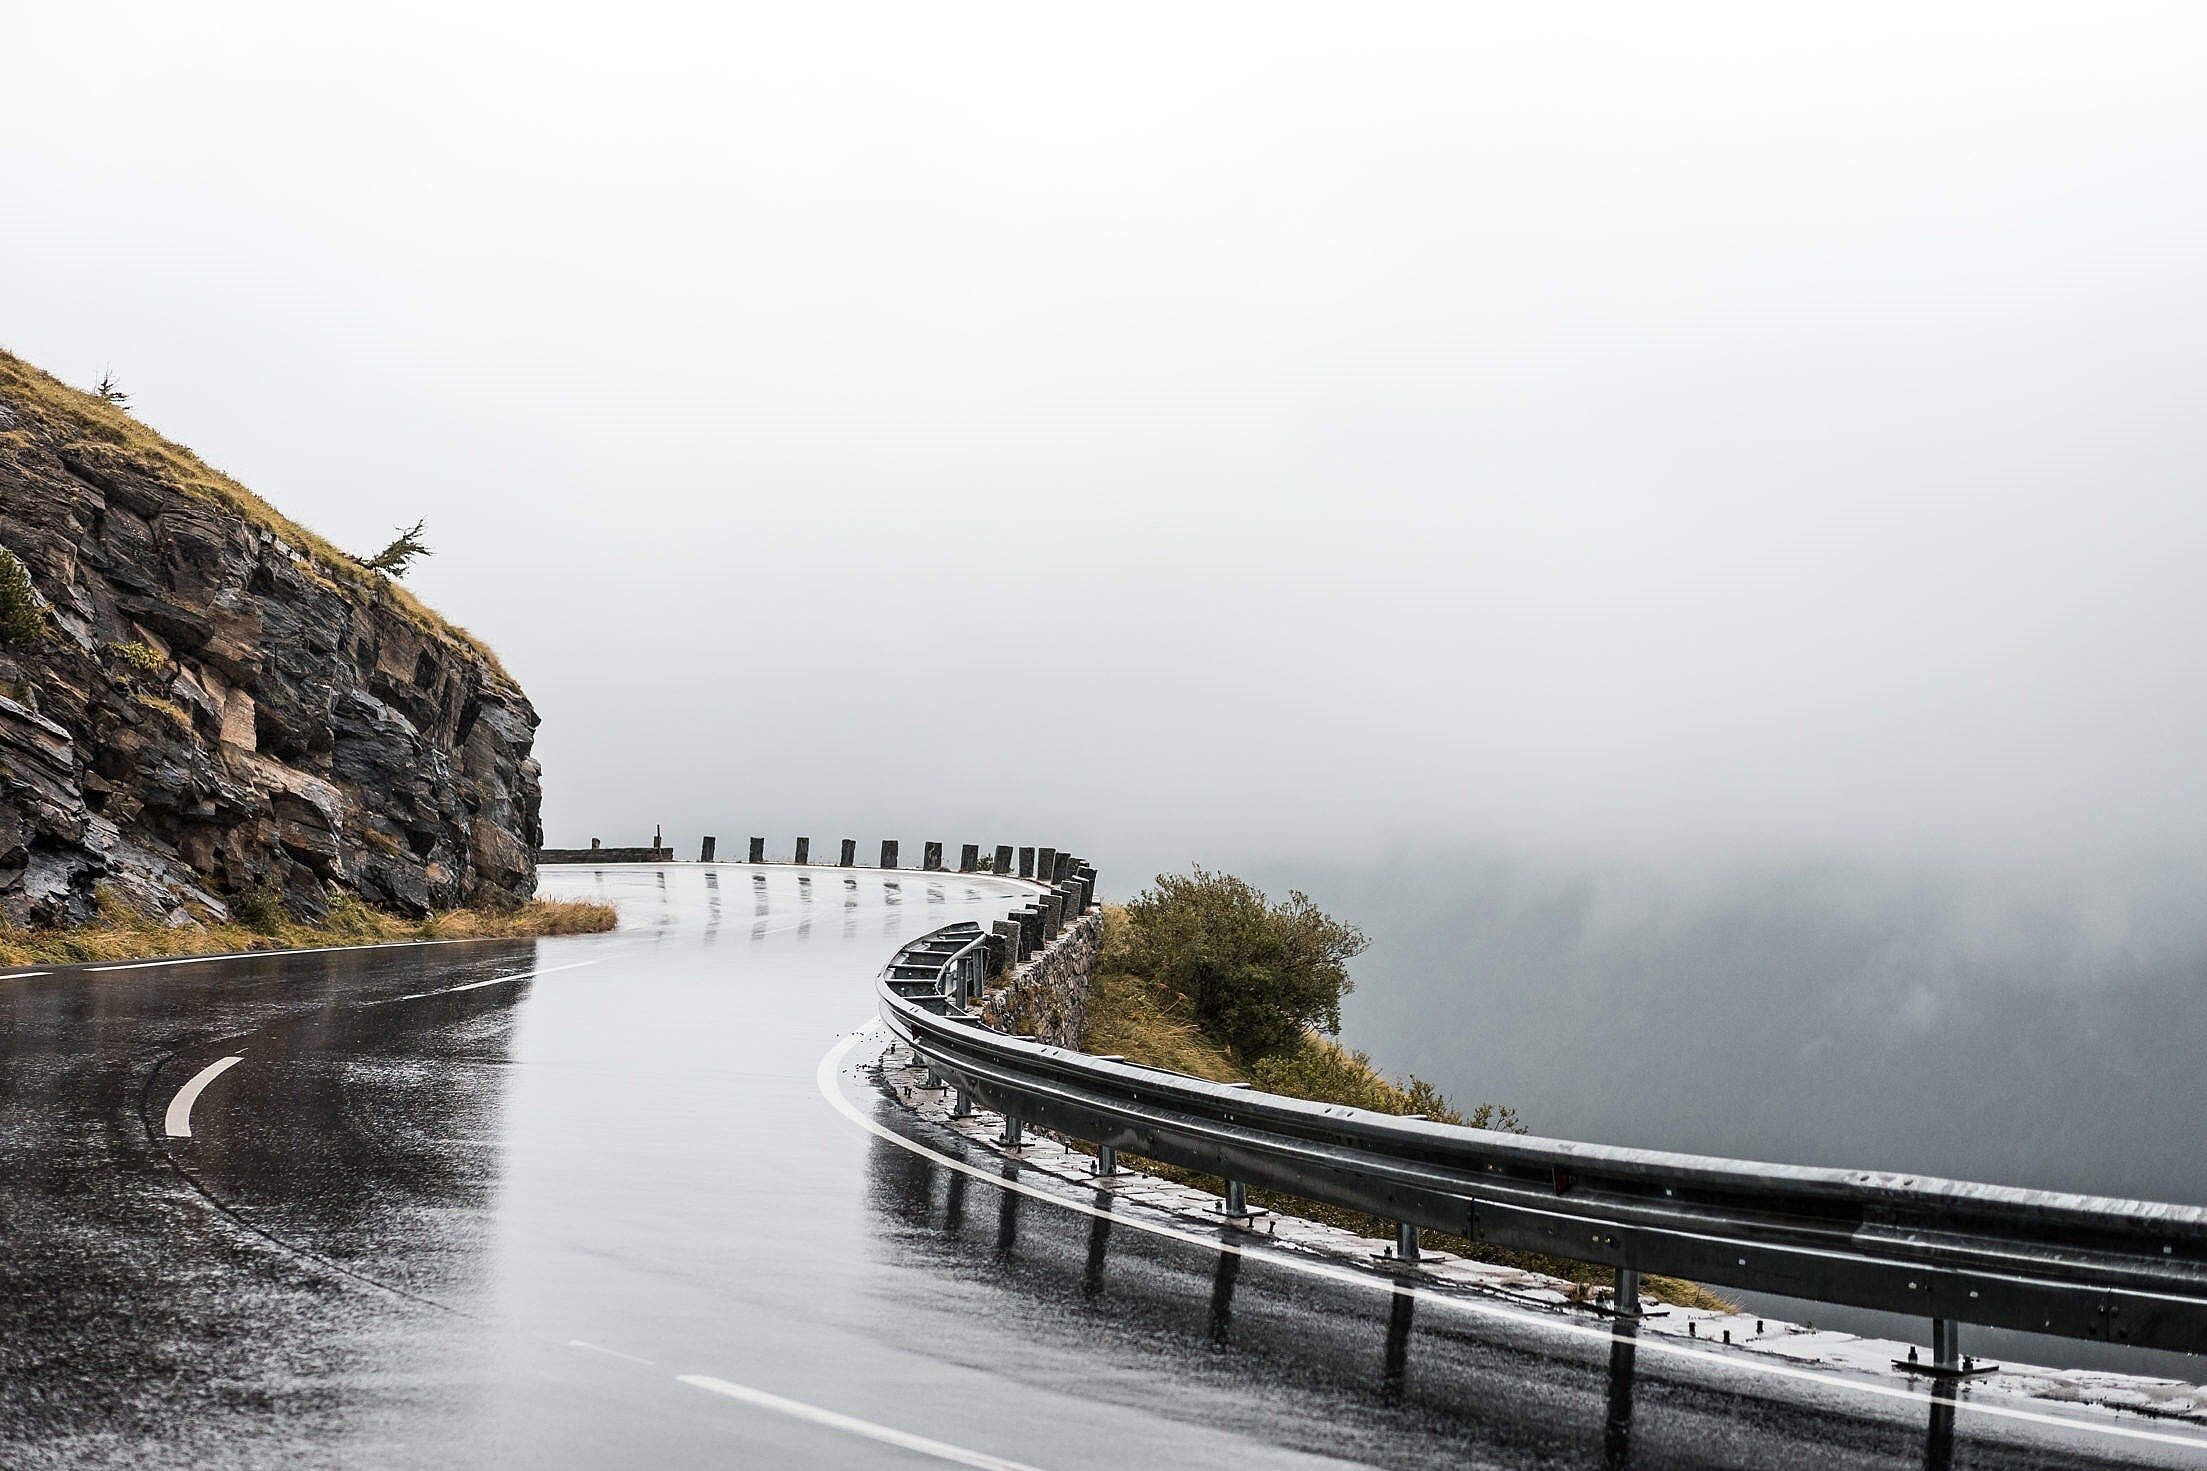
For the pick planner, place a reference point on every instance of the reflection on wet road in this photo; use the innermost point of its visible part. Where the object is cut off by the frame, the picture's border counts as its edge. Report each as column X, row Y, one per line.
column 581, row 1203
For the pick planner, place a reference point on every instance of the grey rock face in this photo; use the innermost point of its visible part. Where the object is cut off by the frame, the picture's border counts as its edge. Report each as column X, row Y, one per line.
column 296, row 730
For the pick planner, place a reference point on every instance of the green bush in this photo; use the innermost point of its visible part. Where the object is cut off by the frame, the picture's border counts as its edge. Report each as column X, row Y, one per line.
column 22, row 620
column 1256, row 975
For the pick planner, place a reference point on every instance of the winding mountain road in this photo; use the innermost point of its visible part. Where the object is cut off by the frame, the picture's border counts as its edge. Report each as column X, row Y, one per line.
column 582, row 1202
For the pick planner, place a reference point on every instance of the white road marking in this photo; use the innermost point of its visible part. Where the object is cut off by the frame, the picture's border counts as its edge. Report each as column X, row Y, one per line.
column 180, row 1107
column 832, row 1064
column 521, row 975
column 611, row 1353
column 851, row 1425
column 281, row 954
column 24, row 975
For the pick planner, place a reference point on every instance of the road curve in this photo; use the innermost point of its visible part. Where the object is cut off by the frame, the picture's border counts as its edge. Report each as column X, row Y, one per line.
column 581, row 1203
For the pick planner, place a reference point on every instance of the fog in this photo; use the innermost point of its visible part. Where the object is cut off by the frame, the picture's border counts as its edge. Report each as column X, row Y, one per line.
column 1261, row 429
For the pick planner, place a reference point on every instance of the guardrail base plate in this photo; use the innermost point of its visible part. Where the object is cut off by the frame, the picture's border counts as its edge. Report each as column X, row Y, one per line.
column 1971, row 1370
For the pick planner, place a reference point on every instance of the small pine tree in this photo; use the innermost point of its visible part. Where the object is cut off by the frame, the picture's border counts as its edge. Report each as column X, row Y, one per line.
column 397, row 559
column 22, row 621
column 109, row 391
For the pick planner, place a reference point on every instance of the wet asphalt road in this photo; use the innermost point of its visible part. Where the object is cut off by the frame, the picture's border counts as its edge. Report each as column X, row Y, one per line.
column 582, row 1202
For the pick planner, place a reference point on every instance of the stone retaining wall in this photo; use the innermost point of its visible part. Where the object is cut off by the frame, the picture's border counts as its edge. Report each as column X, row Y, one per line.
column 1047, row 996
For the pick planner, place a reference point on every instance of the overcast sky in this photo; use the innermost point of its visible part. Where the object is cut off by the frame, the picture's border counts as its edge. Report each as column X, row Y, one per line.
column 1182, row 430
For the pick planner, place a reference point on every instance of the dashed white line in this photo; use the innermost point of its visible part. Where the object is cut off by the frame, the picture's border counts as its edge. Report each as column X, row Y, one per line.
column 832, row 1063
column 24, row 975
column 179, row 1120
column 957, row 1455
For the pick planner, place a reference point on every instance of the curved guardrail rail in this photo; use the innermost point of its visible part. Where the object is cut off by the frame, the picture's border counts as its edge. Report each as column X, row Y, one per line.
column 2119, row 1271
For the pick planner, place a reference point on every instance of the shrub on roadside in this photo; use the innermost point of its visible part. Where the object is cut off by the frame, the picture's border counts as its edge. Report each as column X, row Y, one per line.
column 1256, row 976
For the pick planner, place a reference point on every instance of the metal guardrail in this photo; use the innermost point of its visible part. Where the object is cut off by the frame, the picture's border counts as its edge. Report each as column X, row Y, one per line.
column 2117, row 1271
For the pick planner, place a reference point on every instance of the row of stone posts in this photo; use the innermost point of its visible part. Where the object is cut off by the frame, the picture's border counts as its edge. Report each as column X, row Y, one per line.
column 1045, row 864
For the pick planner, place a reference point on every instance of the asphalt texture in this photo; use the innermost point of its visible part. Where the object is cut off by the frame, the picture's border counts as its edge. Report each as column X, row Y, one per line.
column 586, row 1202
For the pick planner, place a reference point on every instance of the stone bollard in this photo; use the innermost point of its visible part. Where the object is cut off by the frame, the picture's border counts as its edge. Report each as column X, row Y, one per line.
column 931, row 857
column 1030, row 930
column 707, row 849
column 1012, row 937
column 1088, row 887
column 1004, row 859
column 850, row 853
column 888, row 852
column 594, row 843
column 1046, row 863
column 758, row 850
column 1063, row 869
column 993, row 953
column 804, row 850
column 1053, row 911
column 969, row 858
column 1026, row 860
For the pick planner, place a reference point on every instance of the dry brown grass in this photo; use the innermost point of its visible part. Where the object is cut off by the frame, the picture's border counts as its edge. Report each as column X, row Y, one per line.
column 103, row 433
column 1130, row 1016
column 123, row 934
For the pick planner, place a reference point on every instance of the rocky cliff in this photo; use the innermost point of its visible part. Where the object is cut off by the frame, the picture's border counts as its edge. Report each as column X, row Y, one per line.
column 213, row 703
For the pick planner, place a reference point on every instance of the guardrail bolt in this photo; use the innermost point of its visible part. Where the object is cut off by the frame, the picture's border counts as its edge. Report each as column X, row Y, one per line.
column 758, row 850
column 804, row 850
column 969, row 858
column 850, row 853
column 1026, row 863
column 1406, row 1242
column 888, row 852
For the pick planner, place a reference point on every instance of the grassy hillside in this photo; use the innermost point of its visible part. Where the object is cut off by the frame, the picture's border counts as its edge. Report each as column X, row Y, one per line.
column 1140, row 1019
column 106, row 438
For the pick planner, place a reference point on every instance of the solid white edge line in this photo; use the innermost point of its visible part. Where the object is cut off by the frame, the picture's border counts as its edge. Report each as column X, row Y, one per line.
column 832, row 1064
column 307, row 950
column 179, row 1120
column 851, row 1425
column 519, row 975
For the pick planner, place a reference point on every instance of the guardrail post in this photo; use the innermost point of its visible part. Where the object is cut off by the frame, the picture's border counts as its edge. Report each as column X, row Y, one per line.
column 758, row 851
column 969, row 858
column 888, row 852
column 1046, row 862
column 850, row 853
column 1406, row 1242
column 1014, row 1130
column 931, row 857
column 1237, row 1201
column 1107, row 1164
column 1004, row 859
column 962, row 1106
column 1026, row 862
column 1946, row 1345
column 1625, row 1300
column 804, row 851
